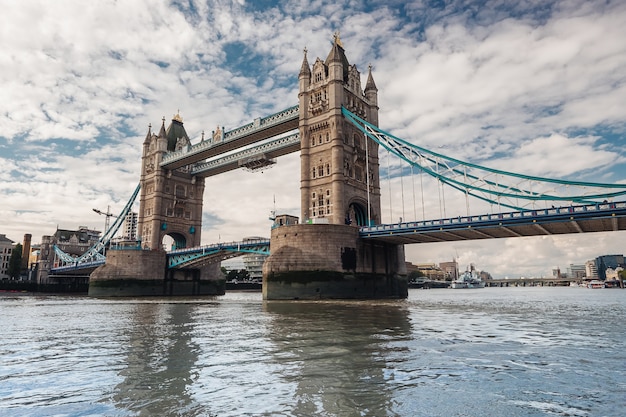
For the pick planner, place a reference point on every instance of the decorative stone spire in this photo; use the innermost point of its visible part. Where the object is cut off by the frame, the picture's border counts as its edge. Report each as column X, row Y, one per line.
column 162, row 132
column 370, row 85
column 149, row 135
column 305, row 69
column 337, row 53
column 337, row 57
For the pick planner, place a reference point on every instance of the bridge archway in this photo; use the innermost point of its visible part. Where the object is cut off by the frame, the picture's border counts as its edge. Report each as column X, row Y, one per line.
column 357, row 214
column 173, row 241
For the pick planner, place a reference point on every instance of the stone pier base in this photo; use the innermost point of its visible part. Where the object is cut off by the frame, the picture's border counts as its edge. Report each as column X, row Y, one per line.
column 325, row 261
column 129, row 273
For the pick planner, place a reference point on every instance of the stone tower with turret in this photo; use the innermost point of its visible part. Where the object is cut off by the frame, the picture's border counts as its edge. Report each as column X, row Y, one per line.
column 170, row 200
column 339, row 165
column 324, row 257
column 170, row 205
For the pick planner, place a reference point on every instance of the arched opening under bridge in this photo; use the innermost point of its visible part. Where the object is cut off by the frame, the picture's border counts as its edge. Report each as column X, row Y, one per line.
column 357, row 214
column 173, row 241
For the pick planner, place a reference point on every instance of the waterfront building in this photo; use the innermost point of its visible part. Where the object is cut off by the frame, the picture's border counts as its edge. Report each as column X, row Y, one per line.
column 556, row 273
column 431, row 271
column 6, row 249
column 130, row 226
column 605, row 262
column 451, row 269
column 72, row 242
column 253, row 262
column 577, row 271
column 591, row 271
column 613, row 274
column 128, row 230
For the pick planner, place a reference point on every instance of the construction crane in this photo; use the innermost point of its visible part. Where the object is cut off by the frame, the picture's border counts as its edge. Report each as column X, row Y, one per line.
column 108, row 215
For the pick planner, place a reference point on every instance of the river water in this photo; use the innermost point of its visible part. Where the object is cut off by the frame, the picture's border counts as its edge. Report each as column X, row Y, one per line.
column 442, row 352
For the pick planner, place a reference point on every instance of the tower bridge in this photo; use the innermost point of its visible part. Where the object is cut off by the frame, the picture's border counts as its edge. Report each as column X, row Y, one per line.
column 339, row 249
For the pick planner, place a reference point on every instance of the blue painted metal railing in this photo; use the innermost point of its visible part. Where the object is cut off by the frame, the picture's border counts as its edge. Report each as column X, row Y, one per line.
column 180, row 257
column 519, row 217
column 96, row 252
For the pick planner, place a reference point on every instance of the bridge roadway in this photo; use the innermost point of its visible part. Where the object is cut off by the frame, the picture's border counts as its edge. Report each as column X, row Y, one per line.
column 604, row 217
column 257, row 131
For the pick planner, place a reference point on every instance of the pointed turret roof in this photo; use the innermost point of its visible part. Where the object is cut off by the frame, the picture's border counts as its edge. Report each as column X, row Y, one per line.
column 337, row 54
column 175, row 131
column 162, row 132
column 149, row 135
column 370, row 85
column 305, row 69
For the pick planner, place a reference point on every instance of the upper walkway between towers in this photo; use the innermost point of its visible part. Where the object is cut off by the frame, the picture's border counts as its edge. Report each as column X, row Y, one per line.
column 260, row 129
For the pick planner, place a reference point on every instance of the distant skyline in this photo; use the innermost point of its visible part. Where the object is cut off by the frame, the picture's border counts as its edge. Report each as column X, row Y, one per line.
column 536, row 87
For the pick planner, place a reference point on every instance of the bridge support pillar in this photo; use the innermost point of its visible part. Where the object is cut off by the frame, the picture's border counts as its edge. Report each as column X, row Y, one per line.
column 330, row 261
column 133, row 273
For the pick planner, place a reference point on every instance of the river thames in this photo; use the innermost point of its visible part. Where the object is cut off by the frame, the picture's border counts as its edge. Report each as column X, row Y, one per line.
column 442, row 352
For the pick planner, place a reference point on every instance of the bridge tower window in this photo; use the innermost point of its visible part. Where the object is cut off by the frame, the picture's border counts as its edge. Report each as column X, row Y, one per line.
column 318, row 77
column 357, row 141
column 358, row 173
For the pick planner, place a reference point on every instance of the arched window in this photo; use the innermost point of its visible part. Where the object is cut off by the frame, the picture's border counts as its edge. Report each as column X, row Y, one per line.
column 357, row 141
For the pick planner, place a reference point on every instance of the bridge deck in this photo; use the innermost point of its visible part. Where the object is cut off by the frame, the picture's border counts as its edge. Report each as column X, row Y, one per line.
column 261, row 129
column 556, row 221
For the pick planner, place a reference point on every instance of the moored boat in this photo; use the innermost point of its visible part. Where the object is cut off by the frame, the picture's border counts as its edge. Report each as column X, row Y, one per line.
column 595, row 283
column 468, row 279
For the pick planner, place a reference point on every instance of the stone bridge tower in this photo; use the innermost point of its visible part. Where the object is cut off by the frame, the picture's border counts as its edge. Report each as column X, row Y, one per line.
column 170, row 205
column 171, row 200
column 338, row 163
column 324, row 256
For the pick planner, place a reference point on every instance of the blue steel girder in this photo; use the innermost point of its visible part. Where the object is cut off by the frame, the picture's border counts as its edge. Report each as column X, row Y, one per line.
column 267, row 150
column 190, row 257
column 601, row 217
column 96, row 252
column 259, row 130
column 77, row 266
column 501, row 188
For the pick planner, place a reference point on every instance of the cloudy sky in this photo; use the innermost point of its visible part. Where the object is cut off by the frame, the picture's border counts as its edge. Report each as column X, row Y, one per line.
column 538, row 87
